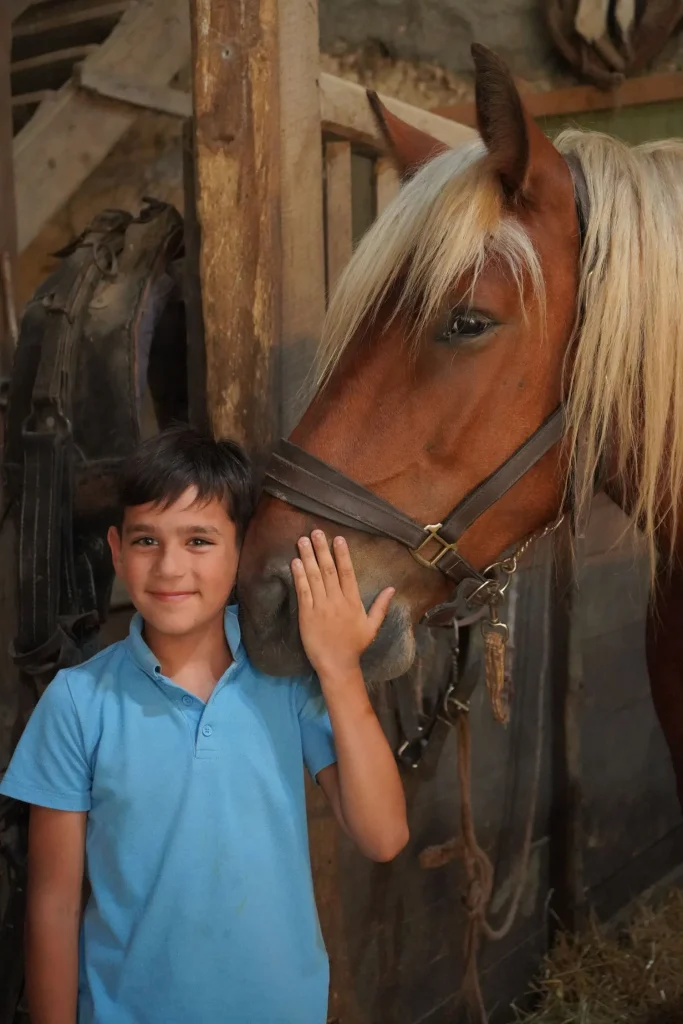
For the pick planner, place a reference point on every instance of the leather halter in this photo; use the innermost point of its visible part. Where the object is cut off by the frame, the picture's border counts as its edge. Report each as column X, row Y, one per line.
column 306, row 482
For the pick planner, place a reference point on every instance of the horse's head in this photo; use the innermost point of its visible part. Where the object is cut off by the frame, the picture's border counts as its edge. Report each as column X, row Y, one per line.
column 442, row 353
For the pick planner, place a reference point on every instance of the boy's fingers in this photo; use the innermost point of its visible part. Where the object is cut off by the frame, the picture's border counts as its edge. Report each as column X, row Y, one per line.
column 347, row 577
column 379, row 608
column 325, row 563
column 303, row 591
column 311, row 569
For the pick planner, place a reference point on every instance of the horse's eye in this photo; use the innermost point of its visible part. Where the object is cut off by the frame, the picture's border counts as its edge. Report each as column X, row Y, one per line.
column 465, row 325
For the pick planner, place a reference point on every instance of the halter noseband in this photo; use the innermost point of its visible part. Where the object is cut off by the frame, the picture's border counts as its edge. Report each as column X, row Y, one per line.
column 307, row 483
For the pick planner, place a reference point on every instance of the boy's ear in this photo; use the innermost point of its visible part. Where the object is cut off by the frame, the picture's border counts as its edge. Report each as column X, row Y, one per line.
column 114, row 541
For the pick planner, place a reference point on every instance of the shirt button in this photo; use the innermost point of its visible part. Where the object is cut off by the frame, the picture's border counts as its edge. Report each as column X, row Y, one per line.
column 206, row 730
column 187, row 700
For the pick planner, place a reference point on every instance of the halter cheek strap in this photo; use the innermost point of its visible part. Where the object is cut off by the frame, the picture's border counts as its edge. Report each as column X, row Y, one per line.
column 308, row 483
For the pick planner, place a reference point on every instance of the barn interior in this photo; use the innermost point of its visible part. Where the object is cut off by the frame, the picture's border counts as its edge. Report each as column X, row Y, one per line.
column 139, row 105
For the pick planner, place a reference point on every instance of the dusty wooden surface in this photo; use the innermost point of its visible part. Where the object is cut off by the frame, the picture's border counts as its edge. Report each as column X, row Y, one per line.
column 237, row 189
column 577, row 99
column 338, row 209
column 345, row 111
column 301, row 190
column 151, row 40
column 163, row 99
column 386, row 183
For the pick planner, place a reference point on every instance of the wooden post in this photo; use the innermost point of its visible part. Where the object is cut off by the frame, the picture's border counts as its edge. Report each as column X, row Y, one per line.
column 386, row 183
column 338, row 213
column 301, row 185
column 237, row 188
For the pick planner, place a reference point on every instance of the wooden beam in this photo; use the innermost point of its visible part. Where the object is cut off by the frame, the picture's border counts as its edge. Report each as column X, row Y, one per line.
column 76, row 15
column 386, row 183
column 338, row 212
column 345, row 111
column 152, row 38
column 42, row 60
column 237, row 189
column 161, row 98
column 17, row 7
column 26, row 99
column 301, row 185
column 583, row 98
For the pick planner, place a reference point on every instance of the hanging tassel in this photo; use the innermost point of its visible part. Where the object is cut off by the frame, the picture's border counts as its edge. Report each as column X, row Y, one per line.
column 495, row 639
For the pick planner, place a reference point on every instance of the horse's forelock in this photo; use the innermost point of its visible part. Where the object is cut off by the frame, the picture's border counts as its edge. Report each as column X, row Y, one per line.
column 442, row 225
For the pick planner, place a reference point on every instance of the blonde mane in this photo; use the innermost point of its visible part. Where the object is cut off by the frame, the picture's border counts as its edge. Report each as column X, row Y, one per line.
column 626, row 385
column 625, row 388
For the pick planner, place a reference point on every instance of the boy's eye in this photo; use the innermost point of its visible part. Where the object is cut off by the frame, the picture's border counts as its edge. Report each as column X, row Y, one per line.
column 200, row 542
column 144, row 542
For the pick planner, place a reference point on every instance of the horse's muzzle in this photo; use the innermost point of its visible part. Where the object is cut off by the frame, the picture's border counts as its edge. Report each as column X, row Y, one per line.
column 270, row 630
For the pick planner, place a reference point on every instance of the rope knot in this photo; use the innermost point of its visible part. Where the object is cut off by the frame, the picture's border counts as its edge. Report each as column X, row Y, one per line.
column 474, row 899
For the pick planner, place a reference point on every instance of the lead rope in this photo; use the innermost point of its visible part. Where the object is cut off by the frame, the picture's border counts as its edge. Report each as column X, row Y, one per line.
column 477, row 864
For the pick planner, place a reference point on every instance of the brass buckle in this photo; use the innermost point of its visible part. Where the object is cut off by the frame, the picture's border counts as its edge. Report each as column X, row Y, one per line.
column 432, row 532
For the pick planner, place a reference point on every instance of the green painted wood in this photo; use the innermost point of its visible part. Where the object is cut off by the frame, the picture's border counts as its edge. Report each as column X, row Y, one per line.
column 645, row 123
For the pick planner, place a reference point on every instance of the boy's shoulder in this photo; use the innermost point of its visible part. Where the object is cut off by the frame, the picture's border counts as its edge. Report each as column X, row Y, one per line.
column 88, row 676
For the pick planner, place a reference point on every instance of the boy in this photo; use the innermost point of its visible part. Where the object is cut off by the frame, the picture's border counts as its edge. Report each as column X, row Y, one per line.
column 174, row 769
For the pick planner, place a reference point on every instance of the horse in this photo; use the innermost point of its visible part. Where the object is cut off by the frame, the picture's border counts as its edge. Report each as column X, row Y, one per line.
column 513, row 285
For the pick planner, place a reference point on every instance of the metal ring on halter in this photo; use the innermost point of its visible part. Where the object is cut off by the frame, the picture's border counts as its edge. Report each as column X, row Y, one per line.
column 495, row 627
column 491, row 587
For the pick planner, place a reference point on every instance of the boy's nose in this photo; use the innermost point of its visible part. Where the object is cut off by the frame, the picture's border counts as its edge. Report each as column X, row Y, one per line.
column 170, row 563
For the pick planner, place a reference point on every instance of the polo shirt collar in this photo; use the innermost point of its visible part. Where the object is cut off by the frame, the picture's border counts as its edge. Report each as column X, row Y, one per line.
column 149, row 663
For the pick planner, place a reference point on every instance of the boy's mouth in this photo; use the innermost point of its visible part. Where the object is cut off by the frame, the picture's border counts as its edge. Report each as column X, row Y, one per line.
column 171, row 595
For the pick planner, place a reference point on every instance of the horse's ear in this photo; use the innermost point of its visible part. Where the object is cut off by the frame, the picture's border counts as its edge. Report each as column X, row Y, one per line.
column 409, row 147
column 513, row 139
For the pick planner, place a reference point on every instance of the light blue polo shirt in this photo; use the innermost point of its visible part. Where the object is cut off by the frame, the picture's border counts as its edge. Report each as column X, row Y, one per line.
column 202, row 907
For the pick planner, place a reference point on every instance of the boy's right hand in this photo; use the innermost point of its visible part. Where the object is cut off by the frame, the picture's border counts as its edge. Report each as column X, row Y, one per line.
column 335, row 628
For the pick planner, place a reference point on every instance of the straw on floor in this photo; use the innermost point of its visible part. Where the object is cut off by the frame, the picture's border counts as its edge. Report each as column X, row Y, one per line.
column 607, row 976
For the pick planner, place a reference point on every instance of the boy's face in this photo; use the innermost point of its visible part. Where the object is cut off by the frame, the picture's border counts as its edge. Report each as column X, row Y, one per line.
column 177, row 563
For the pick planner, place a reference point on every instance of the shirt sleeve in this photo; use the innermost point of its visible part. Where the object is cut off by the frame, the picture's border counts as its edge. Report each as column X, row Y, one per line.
column 316, row 729
column 50, row 767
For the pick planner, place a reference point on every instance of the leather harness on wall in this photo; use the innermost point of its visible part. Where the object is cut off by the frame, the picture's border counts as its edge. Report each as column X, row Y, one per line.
column 81, row 368
column 104, row 328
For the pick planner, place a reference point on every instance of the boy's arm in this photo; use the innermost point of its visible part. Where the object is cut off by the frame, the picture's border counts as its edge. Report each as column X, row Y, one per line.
column 364, row 787
column 53, row 911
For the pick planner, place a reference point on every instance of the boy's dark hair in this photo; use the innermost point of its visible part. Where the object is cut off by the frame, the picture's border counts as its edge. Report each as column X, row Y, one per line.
column 166, row 465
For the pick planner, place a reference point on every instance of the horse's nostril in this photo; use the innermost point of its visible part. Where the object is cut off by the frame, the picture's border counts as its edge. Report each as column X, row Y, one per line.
column 271, row 594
